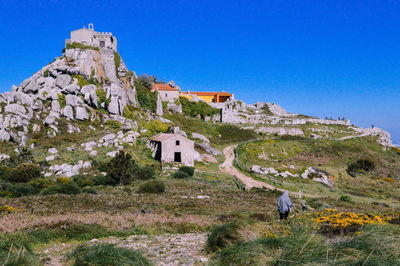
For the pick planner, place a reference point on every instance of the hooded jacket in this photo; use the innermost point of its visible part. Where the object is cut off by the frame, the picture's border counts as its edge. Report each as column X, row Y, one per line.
column 284, row 203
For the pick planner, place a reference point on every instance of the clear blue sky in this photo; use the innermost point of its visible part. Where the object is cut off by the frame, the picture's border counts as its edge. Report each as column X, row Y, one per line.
column 322, row 58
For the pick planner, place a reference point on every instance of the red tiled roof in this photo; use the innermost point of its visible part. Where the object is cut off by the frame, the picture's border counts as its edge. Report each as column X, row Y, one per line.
column 163, row 87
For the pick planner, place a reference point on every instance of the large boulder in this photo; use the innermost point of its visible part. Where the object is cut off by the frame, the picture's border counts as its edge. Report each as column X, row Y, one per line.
column 81, row 113
column 318, row 175
column 207, row 148
column 208, row 158
column 63, row 80
column 4, row 135
column 68, row 112
column 70, row 100
column 90, row 96
column 72, row 89
column 15, row 109
column 113, row 107
column 200, row 137
column 55, row 106
column 32, row 87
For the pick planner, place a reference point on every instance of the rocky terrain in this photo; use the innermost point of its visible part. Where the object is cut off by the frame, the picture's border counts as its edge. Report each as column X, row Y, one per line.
column 74, row 115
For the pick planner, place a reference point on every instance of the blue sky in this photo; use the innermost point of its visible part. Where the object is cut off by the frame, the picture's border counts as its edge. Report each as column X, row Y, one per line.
column 321, row 58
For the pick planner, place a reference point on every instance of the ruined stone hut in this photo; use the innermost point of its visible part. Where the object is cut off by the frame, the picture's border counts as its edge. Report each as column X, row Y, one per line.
column 173, row 148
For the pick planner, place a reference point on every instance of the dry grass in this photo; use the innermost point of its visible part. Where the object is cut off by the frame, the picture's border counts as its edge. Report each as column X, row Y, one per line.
column 122, row 221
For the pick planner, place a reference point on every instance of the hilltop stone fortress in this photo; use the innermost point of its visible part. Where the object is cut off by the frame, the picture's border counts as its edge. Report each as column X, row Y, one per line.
column 90, row 37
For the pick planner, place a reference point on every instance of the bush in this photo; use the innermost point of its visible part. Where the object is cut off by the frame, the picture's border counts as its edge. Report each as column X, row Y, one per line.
column 106, row 254
column 24, row 173
column 121, row 169
column 346, row 198
column 61, row 100
column 5, row 173
column 146, row 98
column 19, row 190
column 187, row 169
column 83, row 181
column 144, row 173
column 156, row 126
column 180, row 175
column 24, row 156
column 77, row 45
column 89, row 190
column 225, row 235
column 101, row 180
column 152, row 186
column 70, row 188
column 46, row 73
column 194, row 109
column 113, row 124
column 41, row 183
column 358, row 167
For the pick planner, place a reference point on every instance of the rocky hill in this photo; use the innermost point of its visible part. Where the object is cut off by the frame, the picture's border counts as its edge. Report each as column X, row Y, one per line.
column 66, row 192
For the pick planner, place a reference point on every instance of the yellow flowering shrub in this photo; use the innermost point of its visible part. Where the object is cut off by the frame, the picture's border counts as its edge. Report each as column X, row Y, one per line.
column 335, row 222
column 7, row 209
column 396, row 149
column 64, row 180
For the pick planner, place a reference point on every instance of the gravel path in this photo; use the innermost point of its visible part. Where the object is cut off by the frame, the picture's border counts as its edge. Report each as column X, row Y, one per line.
column 170, row 249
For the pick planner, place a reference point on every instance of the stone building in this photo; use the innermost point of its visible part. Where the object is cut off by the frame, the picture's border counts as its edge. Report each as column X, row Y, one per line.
column 173, row 148
column 90, row 37
column 168, row 92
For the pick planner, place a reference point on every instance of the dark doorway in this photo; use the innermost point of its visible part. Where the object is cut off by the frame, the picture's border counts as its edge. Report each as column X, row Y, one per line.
column 102, row 44
column 177, row 157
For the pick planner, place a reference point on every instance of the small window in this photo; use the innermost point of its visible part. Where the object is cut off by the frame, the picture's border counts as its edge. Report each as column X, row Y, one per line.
column 178, row 143
column 166, row 95
column 102, row 44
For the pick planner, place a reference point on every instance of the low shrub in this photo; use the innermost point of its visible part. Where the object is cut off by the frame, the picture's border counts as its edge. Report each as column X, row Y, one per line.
column 152, row 186
column 24, row 173
column 362, row 165
column 5, row 173
column 77, row 45
column 145, row 173
column 101, row 180
column 106, row 254
column 70, row 188
column 187, row 169
column 346, row 198
column 41, row 183
column 19, row 190
column 193, row 109
column 180, row 175
column 225, row 235
column 84, row 181
column 89, row 190
column 46, row 73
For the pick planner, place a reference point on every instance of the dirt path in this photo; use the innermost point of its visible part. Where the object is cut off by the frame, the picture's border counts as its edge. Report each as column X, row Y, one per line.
column 169, row 249
column 227, row 167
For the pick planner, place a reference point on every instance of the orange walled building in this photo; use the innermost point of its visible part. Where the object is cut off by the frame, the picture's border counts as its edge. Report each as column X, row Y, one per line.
column 209, row 97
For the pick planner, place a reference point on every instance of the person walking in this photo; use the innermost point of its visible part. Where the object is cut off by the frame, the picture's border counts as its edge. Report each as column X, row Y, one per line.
column 284, row 205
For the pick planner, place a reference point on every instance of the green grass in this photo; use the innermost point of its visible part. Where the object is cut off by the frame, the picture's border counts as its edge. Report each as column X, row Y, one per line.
column 107, row 254
column 76, row 45
column 298, row 242
column 285, row 153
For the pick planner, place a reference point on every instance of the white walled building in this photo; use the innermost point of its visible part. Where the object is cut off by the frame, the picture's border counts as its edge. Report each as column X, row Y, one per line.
column 90, row 37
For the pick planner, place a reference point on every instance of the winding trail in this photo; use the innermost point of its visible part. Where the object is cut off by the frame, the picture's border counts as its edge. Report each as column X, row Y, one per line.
column 227, row 167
